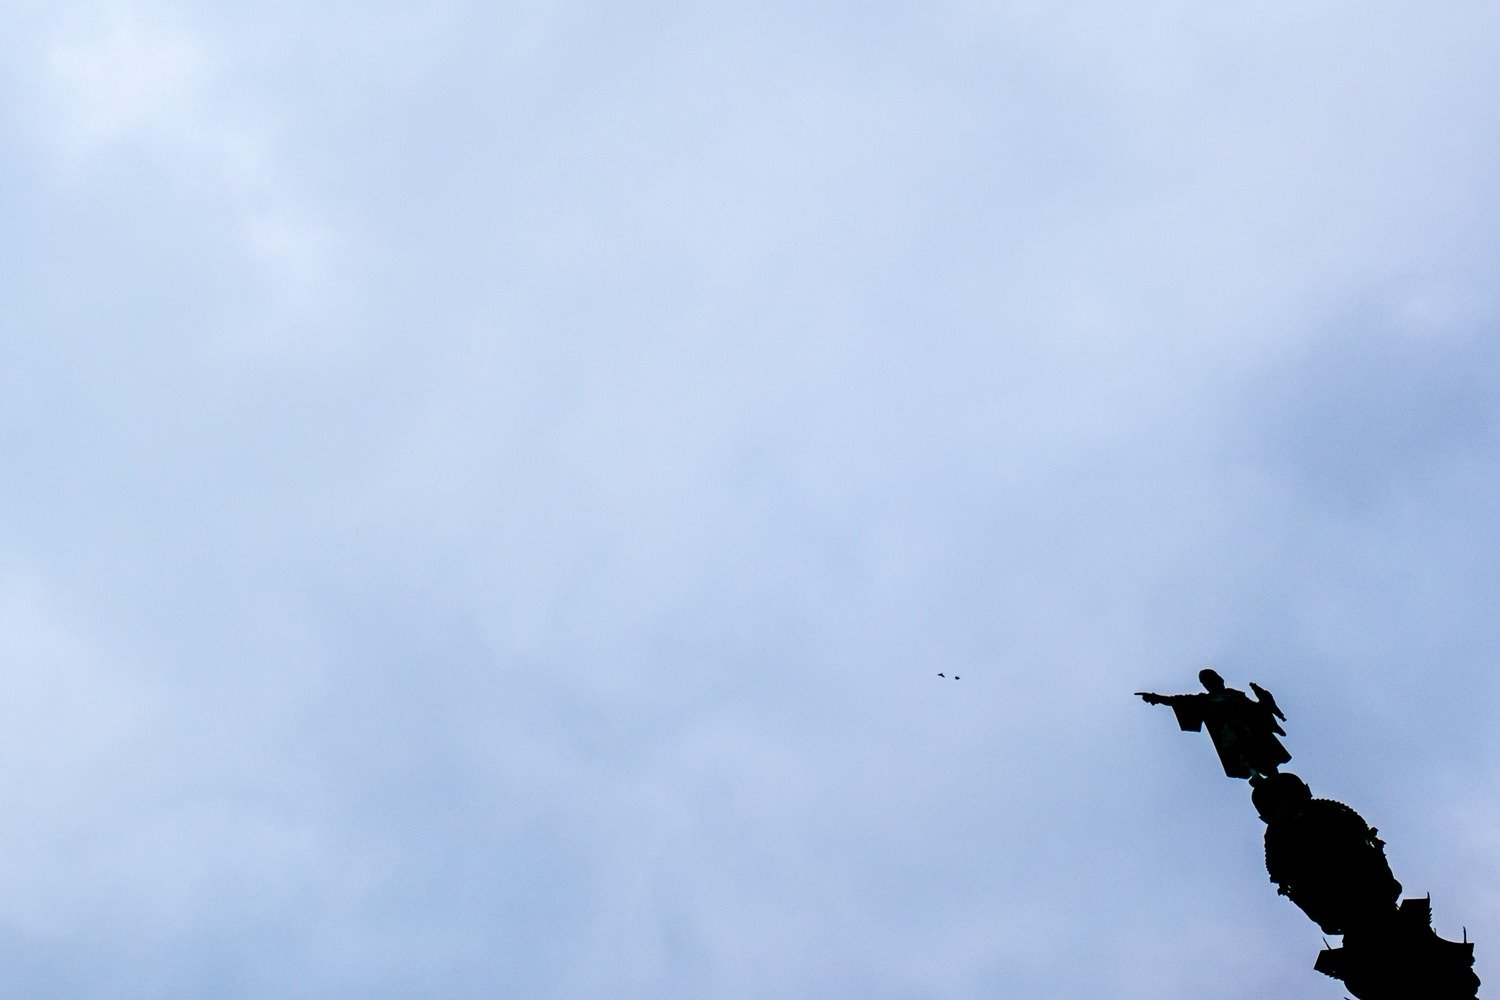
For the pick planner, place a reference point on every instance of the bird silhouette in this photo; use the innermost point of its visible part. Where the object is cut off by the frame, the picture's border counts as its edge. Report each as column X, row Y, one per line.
column 942, row 675
column 956, row 677
column 1264, row 697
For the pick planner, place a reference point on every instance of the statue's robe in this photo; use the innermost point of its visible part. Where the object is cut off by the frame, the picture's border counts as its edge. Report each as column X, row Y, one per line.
column 1243, row 731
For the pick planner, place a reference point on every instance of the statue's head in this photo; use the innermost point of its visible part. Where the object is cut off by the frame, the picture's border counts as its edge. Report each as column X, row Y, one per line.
column 1211, row 680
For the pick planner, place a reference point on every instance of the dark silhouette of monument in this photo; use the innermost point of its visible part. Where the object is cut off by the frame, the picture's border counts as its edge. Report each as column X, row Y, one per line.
column 1324, row 857
column 1400, row 957
column 1244, row 731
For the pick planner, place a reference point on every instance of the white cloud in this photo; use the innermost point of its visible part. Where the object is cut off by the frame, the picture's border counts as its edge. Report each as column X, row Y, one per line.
column 65, row 713
column 120, row 78
column 130, row 83
column 61, row 704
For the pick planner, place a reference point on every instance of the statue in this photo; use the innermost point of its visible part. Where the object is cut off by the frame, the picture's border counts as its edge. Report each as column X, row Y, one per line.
column 1327, row 860
column 1244, row 731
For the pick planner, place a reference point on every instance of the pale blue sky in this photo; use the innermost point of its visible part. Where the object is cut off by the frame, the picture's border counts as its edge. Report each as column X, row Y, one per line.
column 490, row 487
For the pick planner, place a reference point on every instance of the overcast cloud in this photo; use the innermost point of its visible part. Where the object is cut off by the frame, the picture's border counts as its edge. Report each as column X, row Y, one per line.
column 490, row 487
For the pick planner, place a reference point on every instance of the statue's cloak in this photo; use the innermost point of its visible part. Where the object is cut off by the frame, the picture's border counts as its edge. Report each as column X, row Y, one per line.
column 1244, row 731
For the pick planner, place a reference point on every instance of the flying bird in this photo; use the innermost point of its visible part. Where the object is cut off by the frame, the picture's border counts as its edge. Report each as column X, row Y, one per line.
column 942, row 675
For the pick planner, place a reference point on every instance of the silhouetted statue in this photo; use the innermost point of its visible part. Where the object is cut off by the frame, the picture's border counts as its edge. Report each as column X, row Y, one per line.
column 1401, row 958
column 1327, row 859
column 1324, row 857
column 1244, row 731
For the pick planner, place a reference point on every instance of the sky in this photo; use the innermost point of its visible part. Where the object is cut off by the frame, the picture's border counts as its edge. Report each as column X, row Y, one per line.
column 490, row 488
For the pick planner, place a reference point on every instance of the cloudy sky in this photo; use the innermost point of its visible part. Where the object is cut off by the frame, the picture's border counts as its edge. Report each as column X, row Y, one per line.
column 490, row 487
